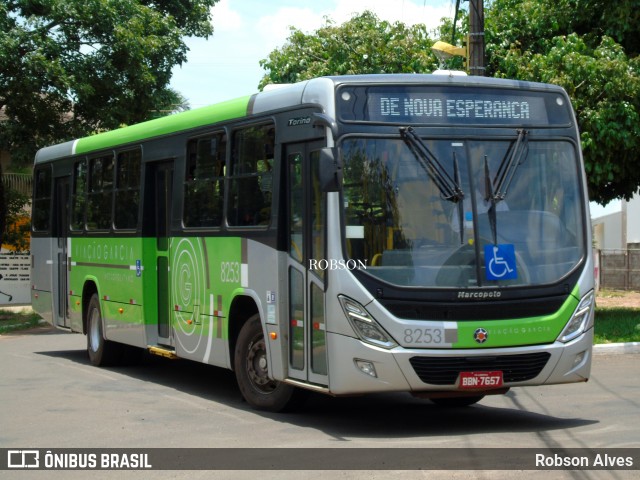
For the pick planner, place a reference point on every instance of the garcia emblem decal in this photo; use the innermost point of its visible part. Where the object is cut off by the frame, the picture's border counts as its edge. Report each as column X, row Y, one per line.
column 480, row 335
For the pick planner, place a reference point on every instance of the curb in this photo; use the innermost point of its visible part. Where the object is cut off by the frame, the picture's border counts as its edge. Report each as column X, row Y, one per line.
column 616, row 348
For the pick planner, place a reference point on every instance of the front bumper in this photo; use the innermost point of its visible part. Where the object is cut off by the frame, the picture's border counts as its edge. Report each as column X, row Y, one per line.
column 395, row 370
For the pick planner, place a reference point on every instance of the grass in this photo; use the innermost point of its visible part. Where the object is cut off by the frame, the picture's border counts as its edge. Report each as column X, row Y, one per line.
column 612, row 325
column 12, row 321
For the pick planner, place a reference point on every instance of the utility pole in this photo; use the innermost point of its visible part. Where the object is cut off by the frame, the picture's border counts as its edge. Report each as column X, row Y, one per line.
column 476, row 37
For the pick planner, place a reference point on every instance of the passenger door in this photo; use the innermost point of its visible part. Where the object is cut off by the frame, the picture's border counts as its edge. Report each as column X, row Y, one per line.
column 306, row 213
column 157, row 223
column 61, row 207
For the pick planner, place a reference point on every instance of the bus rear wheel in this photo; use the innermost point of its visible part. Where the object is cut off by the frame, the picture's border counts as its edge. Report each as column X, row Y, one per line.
column 101, row 352
column 252, row 375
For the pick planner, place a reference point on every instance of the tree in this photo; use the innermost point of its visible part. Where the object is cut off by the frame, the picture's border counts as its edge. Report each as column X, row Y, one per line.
column 168, row 102
column 69, row 68
column 364, row 44
column 589, row 47
column 16, row 225
column 3, row 209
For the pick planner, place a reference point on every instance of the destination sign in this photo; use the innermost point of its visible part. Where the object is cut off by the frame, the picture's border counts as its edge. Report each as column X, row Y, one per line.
column 464, row 106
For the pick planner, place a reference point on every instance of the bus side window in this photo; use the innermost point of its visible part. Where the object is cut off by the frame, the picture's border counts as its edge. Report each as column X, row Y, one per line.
column 100, row 193
column 204, row 181
column 42, row 200
column 127, row 193
column 251, row 176
column 79, row 195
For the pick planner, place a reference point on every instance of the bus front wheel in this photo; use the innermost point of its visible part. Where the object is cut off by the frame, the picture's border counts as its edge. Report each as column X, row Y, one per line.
column 101, row 352
column 251, row 368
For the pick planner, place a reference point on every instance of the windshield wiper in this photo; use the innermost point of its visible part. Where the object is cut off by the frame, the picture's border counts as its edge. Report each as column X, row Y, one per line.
column 496, row 190
column 510, row 163
column 449, row 187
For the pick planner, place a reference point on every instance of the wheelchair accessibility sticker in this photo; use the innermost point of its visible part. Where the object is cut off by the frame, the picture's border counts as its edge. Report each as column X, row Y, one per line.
column 500, row 262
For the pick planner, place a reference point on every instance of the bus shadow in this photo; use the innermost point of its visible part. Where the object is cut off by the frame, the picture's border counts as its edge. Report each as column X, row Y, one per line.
column 389, row 415
column 180, row 375
column 400, row 415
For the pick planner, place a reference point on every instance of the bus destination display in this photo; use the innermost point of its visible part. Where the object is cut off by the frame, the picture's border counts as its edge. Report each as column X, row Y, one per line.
column 473, row 108
column 453, row 106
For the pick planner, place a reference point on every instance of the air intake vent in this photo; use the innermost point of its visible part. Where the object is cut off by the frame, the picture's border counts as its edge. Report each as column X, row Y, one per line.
column 445, row 370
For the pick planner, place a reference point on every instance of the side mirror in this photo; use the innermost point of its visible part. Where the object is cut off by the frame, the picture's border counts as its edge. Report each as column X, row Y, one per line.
column 330, row 170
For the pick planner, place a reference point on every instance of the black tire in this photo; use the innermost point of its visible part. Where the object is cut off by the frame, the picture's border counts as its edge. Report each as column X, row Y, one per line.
column 102, row 353
column 457, row 401
column 251, row 369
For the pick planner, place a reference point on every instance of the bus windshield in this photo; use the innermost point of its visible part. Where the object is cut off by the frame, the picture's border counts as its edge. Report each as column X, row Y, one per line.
column 526, row 230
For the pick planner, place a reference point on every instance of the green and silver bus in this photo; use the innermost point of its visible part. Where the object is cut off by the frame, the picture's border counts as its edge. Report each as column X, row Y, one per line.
column 346, row 235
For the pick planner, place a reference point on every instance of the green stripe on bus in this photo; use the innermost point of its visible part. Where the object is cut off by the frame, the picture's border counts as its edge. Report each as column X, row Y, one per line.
column 162, row 126
column 517, row 332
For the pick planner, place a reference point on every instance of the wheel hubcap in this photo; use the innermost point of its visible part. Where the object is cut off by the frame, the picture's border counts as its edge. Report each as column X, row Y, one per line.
column 94, row 331
column 257, row 367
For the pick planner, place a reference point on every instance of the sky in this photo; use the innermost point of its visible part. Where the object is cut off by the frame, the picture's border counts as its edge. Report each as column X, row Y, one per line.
column 226, row 65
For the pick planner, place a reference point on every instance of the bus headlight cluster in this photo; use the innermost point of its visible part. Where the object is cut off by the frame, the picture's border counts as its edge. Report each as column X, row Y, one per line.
column 364, row 325
column 579, row 320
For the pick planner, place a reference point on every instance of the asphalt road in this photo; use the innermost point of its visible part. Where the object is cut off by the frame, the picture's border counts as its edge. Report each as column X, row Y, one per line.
column 50, row 397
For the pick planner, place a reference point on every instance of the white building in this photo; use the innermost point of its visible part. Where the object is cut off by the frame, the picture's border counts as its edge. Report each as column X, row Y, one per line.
column 617, row 226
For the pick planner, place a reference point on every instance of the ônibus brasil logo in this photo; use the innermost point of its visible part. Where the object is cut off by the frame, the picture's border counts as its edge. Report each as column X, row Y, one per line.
column 340, row 264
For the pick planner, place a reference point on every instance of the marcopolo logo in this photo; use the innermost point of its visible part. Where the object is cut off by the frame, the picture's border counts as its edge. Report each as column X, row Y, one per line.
column 481, row 295
column 333, row 264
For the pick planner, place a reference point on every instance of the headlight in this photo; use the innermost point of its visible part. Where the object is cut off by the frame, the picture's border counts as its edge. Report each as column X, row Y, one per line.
column 364, row 325
column 579, row 320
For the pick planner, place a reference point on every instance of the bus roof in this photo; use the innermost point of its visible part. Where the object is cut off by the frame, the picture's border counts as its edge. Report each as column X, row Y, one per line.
column 309, row 91
column 153, row 128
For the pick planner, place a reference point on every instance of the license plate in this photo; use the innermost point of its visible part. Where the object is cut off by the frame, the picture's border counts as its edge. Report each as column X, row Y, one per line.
column 483, row 380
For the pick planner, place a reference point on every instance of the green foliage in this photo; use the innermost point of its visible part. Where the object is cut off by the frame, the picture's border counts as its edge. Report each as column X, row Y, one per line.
column 71, row 67
column 580, row 45
column 364, row 44
column 590, row 47
column 617, row 325
column 11, row 321
column 17, row 228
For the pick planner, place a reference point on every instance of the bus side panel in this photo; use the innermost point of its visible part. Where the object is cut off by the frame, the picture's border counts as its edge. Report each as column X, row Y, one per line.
column 75, row 312
column 206, row 272
column 114, row 266
column 267, row 276
column 42, row 277
column 123, row 323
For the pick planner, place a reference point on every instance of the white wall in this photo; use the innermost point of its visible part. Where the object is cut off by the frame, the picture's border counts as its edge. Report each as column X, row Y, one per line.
column 607, row 231
column 633, row 219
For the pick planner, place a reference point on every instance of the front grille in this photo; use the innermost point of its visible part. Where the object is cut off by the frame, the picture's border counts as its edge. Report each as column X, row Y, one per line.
column 445, row 370
column 485, row 310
